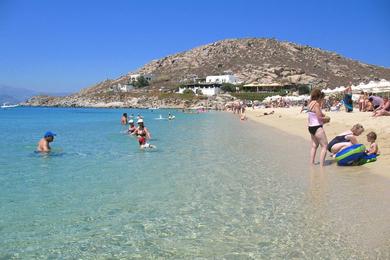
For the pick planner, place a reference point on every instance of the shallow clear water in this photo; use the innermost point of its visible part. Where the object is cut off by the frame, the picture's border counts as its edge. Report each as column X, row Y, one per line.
column 214, row 188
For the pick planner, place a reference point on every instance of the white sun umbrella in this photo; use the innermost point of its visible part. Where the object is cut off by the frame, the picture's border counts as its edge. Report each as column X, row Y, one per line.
column 361, row 85
column 327, row 91
column 356, row 89
column 373, row 83
column 336, row 90
column 342, row 88
column 304, row 97
column 366, row 88
column 274, row 98
column 377, row 90
column 384, row 83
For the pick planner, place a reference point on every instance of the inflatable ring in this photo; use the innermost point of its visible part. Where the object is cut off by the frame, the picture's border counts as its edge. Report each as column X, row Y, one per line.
column 351, row 155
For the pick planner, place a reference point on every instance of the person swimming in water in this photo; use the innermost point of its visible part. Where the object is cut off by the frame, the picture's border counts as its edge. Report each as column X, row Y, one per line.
column 124, row 119
column 132, row 127
column 170, row 116
column 43, row 145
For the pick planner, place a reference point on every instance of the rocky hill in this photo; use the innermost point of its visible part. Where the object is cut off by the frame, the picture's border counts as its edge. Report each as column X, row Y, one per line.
column 251, row 60
column 265, row 61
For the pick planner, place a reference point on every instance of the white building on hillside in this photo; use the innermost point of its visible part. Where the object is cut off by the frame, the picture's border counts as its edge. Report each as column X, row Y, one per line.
column 121, row 87
column 134, row 77
column 207, row 89
column 222, row 79
column 124, row 87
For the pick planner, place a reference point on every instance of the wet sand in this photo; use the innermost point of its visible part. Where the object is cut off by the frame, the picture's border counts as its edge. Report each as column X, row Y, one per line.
column 290, row 120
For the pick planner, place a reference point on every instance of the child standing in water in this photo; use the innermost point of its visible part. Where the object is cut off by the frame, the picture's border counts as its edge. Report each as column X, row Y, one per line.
column 371, row 138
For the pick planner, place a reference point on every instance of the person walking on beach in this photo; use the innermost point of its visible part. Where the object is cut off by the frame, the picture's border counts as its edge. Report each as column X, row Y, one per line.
column 361, row 101
column 43, row 144
column 316, row 119
column 348, row 103
column 124, row 119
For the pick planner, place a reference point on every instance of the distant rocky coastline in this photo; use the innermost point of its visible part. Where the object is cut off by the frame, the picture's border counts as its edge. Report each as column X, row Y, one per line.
column 216, row 102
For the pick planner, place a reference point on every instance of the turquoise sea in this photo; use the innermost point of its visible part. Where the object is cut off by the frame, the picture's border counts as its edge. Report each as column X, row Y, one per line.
column 215, row 188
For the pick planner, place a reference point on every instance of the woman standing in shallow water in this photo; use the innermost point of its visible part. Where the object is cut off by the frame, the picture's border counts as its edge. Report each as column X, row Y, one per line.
column 124, row 119
column 316, row 119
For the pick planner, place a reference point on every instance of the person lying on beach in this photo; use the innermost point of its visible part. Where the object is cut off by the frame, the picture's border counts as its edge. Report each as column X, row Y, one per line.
column 336, row 107
column 384, row 109
column 345, row 139
column 371, row 138
column 43, row 145
column 266, row 113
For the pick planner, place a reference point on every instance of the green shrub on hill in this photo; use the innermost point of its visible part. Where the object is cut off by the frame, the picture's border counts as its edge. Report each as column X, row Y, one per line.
column 141, row 82
column 303, row 90
column 228, row 87
column 254, row 96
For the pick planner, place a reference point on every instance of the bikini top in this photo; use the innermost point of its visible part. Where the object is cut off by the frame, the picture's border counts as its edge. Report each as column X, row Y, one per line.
column 313, row 118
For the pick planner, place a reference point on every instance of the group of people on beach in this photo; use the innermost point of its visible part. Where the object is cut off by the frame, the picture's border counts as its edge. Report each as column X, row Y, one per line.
column 141, row 132
column 368, row 102
column 316, row 120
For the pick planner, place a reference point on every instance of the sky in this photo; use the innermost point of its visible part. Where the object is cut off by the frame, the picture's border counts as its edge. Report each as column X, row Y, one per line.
column 66, row 45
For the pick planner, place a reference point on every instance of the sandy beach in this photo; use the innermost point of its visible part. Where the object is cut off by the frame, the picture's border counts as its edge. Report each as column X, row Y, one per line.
column 292, row 121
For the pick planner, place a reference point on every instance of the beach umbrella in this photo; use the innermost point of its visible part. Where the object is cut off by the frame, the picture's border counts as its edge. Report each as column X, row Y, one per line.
column 385, row 90
column 377, row 90
column 366, row 87
column 337, row 90
column 383, row 83
column 356, row 89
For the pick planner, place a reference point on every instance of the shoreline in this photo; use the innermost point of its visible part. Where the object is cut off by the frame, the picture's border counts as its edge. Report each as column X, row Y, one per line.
column 291, row 121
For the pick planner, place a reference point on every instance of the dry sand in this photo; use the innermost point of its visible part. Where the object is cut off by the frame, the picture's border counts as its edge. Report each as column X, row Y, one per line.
column 292, row 121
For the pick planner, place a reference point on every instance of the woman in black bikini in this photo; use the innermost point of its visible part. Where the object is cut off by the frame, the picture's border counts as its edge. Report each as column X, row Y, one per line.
column 345, row 139
column 316, row 120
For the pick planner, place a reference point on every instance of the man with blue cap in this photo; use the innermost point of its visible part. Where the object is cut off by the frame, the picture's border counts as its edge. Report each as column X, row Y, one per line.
column 43, row 145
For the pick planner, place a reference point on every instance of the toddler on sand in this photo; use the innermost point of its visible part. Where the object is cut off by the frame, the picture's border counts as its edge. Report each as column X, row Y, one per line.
column 371, row 138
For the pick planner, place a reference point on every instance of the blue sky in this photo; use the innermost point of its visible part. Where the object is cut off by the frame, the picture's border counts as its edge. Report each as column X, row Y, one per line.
column 65, row 45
